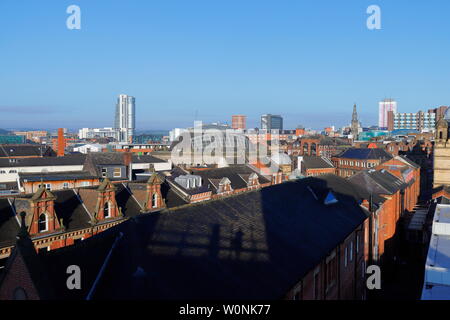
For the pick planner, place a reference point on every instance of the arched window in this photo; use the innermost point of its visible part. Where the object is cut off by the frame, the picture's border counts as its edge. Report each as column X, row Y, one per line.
column 19, row 294
column 155, row 200
column 305, row 149
column 42, row 223
column 313, row 149
column 107, row 210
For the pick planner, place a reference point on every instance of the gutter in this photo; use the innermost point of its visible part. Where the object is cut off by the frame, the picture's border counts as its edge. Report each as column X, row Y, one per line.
column 102, row 269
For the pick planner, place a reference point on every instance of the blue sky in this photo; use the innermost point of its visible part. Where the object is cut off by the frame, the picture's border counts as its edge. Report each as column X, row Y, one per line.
column 309, row 61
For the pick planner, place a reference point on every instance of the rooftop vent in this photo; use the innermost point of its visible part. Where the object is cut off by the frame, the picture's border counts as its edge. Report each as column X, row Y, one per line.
column 189, row 181
column 330, row 198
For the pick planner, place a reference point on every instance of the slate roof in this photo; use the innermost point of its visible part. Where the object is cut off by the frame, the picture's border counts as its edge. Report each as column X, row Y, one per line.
column 237, row 174
column 25, row 250
column 255, row 245
column 56, row 176
column 379, row 182
column 169, row 193
column 129, row 205
column 410, row 161
column 25, row 150
column 116, row 158
column 89, row 254
column 316, row 162
column 68, row 160
column 9, row 226
column 70, row 210
column 365, row 154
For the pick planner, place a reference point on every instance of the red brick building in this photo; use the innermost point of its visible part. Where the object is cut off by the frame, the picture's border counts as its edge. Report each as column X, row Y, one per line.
column 213, row 249
column 353, row 160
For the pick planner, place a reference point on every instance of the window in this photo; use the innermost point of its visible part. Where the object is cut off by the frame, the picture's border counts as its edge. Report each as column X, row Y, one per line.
column 155, row 200
column 12, row 171
column 316, row 285
column 297, row 293
column 330, row 271
column 42, row 223
column 345, row 256
column 44, row 249
column 20, row 294
column 104, row 172
column 351, row 251
column 2, row 171
column 117, row 173
column 65, row 185
column 107, row 210
column 85, row 183
column 357, row 243
column 47, row 186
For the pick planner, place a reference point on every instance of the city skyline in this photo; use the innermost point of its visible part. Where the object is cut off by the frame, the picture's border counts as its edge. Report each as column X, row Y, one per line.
column 187, row 62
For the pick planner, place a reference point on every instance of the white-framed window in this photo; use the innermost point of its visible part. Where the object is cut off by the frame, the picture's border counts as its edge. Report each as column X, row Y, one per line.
column 47, row 186
column 117, row 173
column 104, row 172
column 85, row 183
column 43, row 223
column 65, row 185
column 12, row 171
column 2, row 172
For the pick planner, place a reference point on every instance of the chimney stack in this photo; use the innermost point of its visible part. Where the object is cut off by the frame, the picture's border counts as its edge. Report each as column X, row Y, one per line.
column 61, row 142
column 127, row 158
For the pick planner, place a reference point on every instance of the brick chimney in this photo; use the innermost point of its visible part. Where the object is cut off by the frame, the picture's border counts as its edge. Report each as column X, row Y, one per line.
column 127, row 159
column 61, row 142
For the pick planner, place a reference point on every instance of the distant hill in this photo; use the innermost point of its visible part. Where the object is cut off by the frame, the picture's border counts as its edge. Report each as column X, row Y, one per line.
column 2, row 131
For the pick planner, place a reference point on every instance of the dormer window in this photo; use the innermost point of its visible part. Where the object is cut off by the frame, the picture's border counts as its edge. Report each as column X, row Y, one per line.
column 43, row 223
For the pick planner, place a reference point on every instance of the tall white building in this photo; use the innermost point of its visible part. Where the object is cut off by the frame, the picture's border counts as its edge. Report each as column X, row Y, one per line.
column 384, row 107
column 125, row 118
column 90, row 133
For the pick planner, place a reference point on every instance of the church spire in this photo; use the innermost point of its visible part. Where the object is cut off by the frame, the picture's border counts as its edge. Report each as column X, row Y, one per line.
column 355, row 114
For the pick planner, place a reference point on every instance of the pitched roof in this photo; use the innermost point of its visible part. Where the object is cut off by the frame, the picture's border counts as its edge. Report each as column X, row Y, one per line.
column 116, row 158
column 316, row 162
column 379, row 182
column 128, row 204
column 34, row 269
column 55, row 176
column 25, row 150
column 68, row 160
column 211, row 250
column 235, row 173
column 365, row 154
column 70, row 210
column 9, row 226
column 89, row 254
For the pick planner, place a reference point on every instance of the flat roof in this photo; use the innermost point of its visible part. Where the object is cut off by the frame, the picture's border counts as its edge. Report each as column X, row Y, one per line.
column 442, row 213
column 437, row 266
